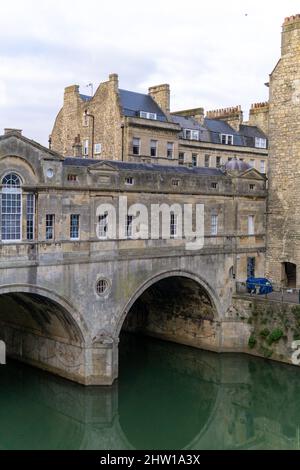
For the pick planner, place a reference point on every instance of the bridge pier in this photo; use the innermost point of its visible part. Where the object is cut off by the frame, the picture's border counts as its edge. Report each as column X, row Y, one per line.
column 2, row 353
column 88, row 365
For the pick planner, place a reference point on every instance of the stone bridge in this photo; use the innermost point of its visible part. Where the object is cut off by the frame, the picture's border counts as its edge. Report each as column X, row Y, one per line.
column 65, row 295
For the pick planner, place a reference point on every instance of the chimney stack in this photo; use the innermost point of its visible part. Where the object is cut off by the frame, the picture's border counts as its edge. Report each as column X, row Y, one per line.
column 161, row 95
column 9, row 131
column 290, row 38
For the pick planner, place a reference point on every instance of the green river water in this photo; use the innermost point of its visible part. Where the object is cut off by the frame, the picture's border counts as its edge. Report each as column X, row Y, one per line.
column 167, row 397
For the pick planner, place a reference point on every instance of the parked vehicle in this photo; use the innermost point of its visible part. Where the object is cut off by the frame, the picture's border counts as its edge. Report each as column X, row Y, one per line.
column 259, row 285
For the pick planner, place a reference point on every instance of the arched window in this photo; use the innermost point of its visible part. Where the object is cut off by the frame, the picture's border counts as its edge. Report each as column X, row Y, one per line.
column 11, row 208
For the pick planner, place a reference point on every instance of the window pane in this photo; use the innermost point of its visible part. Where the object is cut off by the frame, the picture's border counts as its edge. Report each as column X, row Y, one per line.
column 50, row 226
column 103, row 225
column 74, row 226
column 30, row 217
column 11, row 208
column 214, row 224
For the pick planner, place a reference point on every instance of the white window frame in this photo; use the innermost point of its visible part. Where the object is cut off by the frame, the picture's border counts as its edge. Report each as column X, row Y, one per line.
column 30, row 216
column 173, row 224
column 263, row 167
column 50, row 217
column 252, row 163
column 129, row 181
column 103, row 226
column 86, row 147
column 128, row 226
column 153, row 145
column 147, row 115
column 136, row 139
column 170, row 148
column 228, row 139
column 191, row 134
column 13, row 190
column 194, row 159
column 260, row 143
column 72, row 226
column 214, row 224
column 97, row 149
column 251, row 225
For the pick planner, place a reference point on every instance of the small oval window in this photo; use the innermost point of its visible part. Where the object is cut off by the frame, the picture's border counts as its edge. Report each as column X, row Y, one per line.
column 102, row 287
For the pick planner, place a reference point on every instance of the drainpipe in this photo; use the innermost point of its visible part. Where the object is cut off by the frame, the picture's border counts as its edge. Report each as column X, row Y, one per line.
column 123, row 129
column 93, row 129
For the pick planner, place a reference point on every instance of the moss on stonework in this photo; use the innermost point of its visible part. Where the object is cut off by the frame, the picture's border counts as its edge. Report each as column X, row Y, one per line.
column 252, row 341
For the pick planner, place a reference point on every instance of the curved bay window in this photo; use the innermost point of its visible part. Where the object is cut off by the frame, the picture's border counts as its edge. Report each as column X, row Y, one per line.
column 11, row 208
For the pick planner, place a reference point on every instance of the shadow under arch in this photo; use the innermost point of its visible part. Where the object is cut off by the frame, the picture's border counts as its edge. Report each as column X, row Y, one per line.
column 42, row 329
column 165, row 275
column 42, row 294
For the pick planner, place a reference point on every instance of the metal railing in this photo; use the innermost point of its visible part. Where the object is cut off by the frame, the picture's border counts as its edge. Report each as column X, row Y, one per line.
column 279, row 294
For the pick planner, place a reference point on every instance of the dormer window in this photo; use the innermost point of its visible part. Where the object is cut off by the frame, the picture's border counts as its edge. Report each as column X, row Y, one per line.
column 226, row 139
column 146, row 115
column 260, row 143
column 191, row 134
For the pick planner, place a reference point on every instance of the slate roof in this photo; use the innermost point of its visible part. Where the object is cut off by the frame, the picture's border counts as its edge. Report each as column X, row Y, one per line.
column 217, row 127
column 132, row 103
column 191, row 123
column 85, row 97
column 128, row 166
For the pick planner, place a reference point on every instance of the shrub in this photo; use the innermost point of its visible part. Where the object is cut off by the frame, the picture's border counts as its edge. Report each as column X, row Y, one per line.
column 265, row 332
column 252, row 341
column 275, row 336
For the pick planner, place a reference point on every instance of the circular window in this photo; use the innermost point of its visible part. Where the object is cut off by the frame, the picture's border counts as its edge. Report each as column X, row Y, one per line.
column 50, row 173
column 102, row 287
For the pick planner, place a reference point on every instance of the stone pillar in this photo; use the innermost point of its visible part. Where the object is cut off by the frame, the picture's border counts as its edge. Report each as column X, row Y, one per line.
column 101, row 362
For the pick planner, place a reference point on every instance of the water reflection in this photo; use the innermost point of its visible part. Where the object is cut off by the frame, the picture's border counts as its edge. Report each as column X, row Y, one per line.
column 167, row 397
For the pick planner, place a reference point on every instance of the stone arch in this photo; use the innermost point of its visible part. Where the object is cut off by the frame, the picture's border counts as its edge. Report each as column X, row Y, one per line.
column 43, row 329
column 165, row 275
column 76, row 319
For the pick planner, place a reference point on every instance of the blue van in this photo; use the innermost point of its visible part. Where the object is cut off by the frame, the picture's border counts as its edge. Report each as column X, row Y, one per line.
column 259, row 285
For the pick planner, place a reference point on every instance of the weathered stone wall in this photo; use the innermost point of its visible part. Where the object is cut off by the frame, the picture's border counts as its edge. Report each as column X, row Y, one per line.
column 71, row 122
column 272, row 326
column 284, row 147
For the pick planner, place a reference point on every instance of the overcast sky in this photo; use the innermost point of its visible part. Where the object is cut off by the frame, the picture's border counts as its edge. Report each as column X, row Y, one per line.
column 213, row 54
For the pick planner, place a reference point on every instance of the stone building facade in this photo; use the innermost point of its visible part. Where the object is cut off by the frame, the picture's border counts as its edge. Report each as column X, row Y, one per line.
column 117, row 124
column 73, row 285
column 283, row 245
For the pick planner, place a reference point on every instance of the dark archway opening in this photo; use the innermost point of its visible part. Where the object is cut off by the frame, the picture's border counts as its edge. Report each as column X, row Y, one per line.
column 289, row 274
column 175, row 308
column 40, row 332
column 164, row 398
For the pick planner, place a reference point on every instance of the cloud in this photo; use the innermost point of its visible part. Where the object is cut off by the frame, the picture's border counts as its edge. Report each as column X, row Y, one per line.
column 212, row 54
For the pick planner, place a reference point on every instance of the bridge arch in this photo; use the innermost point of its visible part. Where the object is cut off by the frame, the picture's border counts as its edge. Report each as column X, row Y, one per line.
column 201, row 281
column 177, row 306
column 43, row 329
